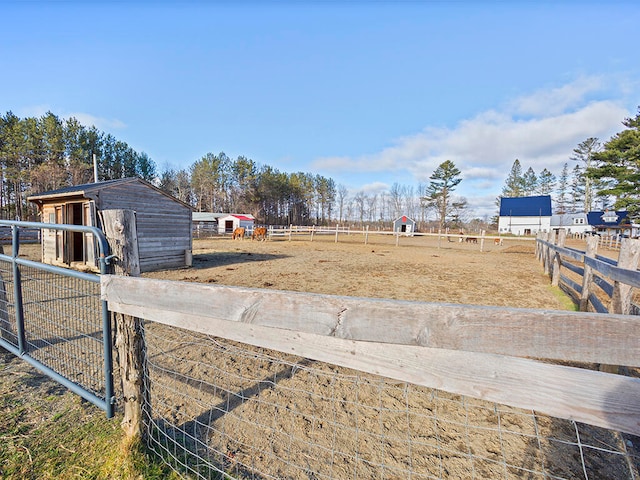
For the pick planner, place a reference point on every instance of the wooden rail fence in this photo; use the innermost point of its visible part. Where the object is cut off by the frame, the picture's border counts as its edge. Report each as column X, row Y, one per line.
column 604, row 285
column 481, row 352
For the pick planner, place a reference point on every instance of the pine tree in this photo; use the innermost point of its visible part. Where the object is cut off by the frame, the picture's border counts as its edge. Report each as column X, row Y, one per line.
column 514, row 184
column 529, row 182
column 585, row 153
column 546, row 182
column 561, row 200
column 619, row 165
column 444, row 180
column 577, row 189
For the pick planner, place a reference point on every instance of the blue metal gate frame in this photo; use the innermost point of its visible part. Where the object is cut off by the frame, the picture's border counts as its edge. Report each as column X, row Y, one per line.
column 21, row 348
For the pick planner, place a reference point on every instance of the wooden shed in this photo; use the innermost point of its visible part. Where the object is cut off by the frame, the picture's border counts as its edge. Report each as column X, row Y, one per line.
column 404, row 224
column 163, row 222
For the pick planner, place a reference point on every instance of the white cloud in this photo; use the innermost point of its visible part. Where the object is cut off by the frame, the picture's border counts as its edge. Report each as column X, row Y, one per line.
column 86, row 119
column 540, row 129
column 100, row 123
column 374, row 188
column 556, row 101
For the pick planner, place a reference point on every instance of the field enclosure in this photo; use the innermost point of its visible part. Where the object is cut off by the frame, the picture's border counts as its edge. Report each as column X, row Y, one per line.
column 290, row 407
column 297, row 359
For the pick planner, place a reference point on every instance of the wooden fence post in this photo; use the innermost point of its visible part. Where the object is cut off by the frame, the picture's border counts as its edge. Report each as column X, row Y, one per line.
column 313, row 229
column 120, row 230
column 587, row 276
column 366, row 235
column 482, row 233
column 546, row 253
column 555, row 275
column 337, row 226
column 622, row 293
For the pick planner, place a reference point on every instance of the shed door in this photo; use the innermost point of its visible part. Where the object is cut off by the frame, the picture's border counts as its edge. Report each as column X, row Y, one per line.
column 59, row 218
column 89, row 220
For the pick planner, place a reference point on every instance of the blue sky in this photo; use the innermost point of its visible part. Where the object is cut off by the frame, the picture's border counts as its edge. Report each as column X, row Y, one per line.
column 367, row 93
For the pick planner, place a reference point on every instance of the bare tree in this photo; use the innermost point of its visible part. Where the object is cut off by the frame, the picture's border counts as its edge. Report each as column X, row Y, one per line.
column 342, row 195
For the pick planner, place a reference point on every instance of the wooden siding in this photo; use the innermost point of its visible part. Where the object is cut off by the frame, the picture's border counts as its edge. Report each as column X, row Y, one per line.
column 164, row 225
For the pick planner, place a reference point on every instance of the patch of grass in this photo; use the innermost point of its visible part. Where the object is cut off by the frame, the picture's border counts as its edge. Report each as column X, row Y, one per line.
column 61, row 436
column 565, row 300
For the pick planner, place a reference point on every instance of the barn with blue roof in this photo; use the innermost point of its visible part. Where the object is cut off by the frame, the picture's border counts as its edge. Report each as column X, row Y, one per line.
column 525, row 215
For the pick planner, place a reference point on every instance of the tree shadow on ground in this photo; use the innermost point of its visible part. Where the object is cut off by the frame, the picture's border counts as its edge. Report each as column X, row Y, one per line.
column 222, row 259
column 192, row 436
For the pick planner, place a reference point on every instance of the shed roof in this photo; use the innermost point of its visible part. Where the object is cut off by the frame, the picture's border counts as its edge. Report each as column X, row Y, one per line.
column 88, row 189
column 206, row 216
column 537, row 206
column 404, row 219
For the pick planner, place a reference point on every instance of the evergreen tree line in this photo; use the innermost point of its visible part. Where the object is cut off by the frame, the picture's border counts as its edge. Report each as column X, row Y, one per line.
column 217, row 183
column 47, row 153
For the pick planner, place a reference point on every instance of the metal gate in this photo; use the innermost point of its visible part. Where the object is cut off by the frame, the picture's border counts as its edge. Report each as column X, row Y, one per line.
column 53, row 317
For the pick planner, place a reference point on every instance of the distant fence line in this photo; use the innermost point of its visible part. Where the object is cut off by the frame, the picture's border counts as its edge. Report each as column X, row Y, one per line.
column 310, row 231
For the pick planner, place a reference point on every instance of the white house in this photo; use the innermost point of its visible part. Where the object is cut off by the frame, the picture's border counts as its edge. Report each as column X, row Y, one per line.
column 525, row 215
column 571, row 222
column 228, row 223
column 613, row 223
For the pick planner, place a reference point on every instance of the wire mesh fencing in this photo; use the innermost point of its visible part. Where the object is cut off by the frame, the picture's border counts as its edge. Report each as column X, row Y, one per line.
column 62, row 318
column 220, row 409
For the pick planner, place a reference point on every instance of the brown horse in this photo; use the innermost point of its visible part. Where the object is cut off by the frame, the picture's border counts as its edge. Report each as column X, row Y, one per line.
column 260, row 233
column 471, row 240
column 238, row 233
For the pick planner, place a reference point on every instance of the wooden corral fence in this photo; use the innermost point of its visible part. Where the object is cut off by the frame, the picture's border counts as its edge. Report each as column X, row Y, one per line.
column 477, row 238
column 481, row 352
column 611, row 242
column 596, row 283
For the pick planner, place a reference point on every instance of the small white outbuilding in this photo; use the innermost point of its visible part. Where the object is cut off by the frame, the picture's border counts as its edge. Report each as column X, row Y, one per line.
column 228, row 223
column 405, row 225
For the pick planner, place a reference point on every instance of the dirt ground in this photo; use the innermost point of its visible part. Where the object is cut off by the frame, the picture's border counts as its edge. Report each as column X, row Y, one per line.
column 262, row 414
column 416, row 269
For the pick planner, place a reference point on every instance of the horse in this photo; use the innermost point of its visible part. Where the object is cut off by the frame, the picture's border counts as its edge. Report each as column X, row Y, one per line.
column 471, row 240
column 238, row 233
column 497, row 241
column 260, row 233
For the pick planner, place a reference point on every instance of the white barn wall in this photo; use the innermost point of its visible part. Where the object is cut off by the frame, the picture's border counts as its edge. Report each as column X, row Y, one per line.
column 518, row 225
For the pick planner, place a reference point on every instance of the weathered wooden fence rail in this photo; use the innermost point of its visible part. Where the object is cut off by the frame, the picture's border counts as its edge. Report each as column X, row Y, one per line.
column 481, row 352
column 604, row 285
